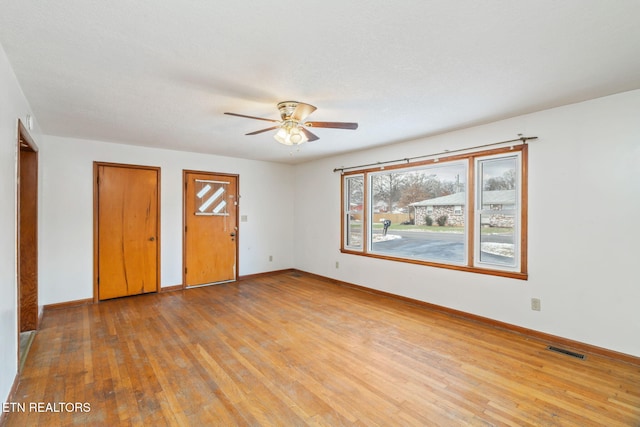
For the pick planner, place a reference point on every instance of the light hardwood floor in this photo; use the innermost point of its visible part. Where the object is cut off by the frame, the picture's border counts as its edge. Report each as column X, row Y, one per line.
column 292, row 349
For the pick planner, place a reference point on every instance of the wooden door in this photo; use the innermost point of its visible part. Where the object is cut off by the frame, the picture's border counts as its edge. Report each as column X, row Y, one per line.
column 211, row 232
column 27, row 231
column 127, row 233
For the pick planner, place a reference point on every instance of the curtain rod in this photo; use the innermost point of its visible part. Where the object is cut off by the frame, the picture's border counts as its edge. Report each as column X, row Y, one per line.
column 522, row 139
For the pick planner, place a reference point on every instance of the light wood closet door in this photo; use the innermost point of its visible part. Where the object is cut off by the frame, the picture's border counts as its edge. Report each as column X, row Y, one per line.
column 127, row 230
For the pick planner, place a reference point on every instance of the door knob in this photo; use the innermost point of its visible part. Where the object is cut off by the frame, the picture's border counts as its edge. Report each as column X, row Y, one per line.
column 233, row 234
column 151, row 239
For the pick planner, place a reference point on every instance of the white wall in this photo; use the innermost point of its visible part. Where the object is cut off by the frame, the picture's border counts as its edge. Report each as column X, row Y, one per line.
column 13, row 105
column 584, row 206
column 66, row 237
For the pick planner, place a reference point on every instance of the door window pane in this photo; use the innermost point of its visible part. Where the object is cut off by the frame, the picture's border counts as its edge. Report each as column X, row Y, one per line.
column 210, row 197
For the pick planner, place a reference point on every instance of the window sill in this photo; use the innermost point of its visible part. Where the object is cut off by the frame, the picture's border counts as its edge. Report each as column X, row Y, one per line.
column 478, row 270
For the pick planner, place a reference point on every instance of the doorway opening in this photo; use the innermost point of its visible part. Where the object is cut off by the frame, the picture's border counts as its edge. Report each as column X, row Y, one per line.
column 27, row 240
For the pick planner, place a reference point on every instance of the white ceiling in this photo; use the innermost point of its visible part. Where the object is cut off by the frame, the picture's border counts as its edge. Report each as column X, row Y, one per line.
column 161, row 73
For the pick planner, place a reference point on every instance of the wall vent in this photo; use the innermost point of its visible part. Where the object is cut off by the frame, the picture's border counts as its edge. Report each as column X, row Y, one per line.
column 567, row 352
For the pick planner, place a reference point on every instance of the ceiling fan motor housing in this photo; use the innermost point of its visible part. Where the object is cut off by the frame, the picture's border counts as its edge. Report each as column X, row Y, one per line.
column 287, row 109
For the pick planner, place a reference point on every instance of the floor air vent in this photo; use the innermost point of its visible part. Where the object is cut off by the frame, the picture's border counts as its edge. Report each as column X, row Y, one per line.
column 567, row 352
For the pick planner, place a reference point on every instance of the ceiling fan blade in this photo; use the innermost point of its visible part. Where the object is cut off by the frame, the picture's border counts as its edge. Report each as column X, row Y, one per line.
column 310, row 136
column 302, row 111
column 262, row 130
column 252, row 117
column 335, row 125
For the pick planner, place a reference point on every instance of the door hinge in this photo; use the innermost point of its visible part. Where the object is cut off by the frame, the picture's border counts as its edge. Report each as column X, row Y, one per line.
column 98, row 280
column 185, row 270
column 185, row 228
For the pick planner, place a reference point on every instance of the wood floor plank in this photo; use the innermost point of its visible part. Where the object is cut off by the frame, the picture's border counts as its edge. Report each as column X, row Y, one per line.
column 292, row 349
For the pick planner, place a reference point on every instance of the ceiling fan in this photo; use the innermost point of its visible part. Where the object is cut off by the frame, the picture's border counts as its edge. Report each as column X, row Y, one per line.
column 292, row 127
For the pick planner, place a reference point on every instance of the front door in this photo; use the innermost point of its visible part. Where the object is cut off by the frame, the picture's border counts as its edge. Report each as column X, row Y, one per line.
column 210, row 232
column 127, row 234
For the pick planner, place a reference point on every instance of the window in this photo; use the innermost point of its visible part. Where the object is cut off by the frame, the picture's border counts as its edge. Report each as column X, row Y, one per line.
column 498, row 195
column 464, row 212
column 353, row 187
column 405, row 195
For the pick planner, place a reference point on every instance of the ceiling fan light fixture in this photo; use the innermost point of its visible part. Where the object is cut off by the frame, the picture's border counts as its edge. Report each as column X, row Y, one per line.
column 290, row 134
column 296, row 137
column 281, row 136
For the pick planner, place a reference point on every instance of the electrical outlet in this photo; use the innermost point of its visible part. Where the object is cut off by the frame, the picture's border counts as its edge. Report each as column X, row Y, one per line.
column 270, row 258
column 337, row 264
column 535, row 304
